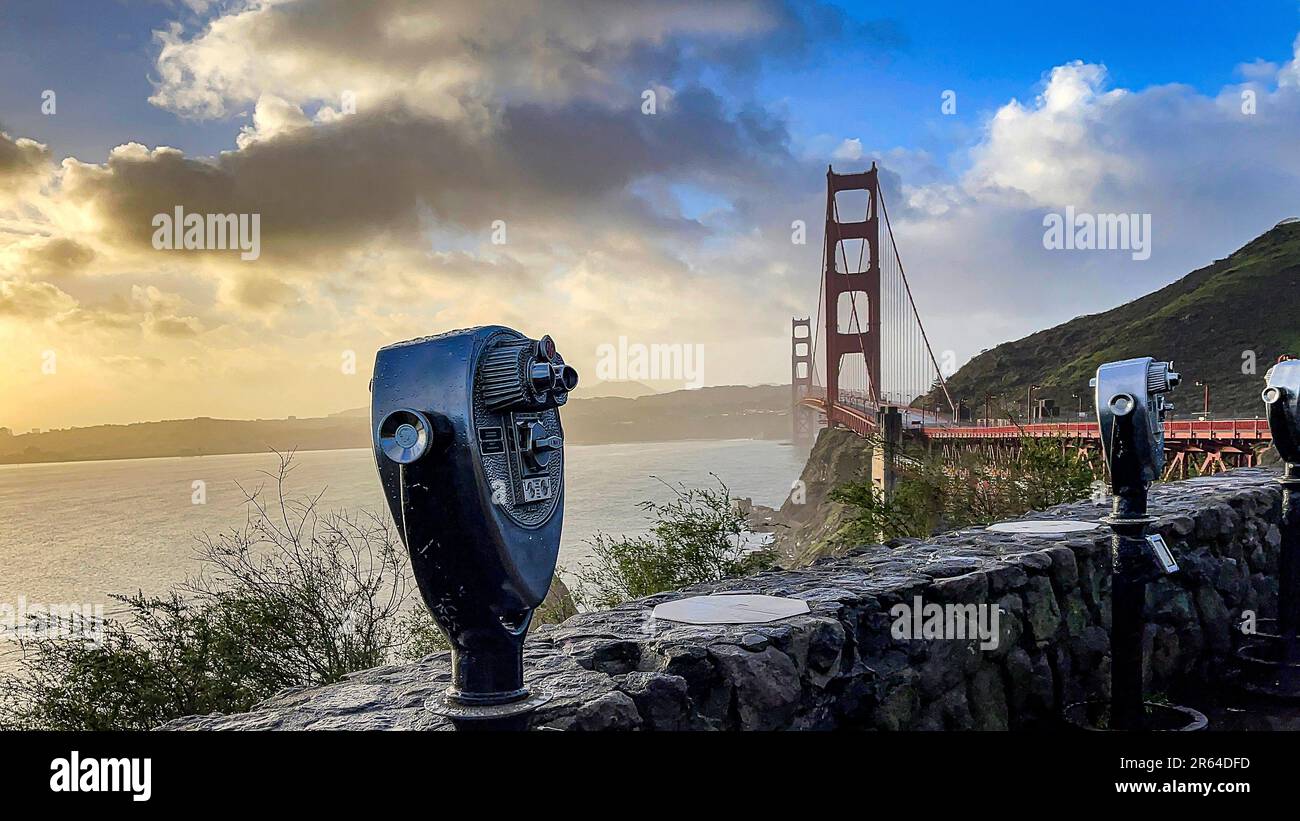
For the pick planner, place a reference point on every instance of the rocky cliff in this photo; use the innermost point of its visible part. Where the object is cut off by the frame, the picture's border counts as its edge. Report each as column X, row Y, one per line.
column 808, row 521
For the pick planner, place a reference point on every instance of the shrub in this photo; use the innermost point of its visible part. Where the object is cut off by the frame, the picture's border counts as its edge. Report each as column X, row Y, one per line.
column 166, row 658
column 697, row 536
column 932, row 495
column 292, row 598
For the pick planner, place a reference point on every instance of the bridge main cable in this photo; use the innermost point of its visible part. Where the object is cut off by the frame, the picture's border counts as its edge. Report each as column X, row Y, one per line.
column 943, row 383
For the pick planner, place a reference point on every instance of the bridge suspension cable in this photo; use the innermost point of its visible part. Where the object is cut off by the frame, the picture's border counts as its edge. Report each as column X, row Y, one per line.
column 930, row 375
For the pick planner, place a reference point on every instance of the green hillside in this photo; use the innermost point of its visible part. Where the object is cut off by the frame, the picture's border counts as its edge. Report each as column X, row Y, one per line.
column 1204, row 322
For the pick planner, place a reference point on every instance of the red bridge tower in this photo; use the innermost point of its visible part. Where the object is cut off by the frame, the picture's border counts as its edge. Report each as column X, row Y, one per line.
column 856, row 281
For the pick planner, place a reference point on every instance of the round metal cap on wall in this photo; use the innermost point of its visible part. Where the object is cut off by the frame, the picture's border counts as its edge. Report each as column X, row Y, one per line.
column 738, row 608
column 1043, row 527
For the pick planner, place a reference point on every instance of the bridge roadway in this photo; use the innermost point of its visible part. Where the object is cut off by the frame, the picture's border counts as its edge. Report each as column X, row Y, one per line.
column 1218, row 443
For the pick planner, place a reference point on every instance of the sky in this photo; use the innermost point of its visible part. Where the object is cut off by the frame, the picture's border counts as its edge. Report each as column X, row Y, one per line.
column 421, row 166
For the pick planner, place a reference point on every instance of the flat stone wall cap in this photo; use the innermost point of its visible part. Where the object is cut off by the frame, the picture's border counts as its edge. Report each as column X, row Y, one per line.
column 730, row 608
column 1044, row 527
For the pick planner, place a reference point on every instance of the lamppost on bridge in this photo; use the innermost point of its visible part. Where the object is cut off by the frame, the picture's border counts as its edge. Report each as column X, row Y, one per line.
column 1205, row 410
column 1079, row 397
column 1029, row 403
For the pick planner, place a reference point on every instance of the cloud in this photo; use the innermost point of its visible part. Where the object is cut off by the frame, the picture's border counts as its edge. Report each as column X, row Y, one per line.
column 163, row 313
column 260, row 292
column 133, row 363
column 20, row 299
column 24, row 165
column 445, row 58
column 380, row 223
column 1049, row 150
column 271, row 117
column 42, row 257
column 21, row 157
column 850, row 149
column 556, row 178
column 1211, row 174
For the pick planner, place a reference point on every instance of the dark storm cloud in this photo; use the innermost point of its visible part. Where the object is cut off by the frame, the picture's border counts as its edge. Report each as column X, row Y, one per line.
column 465, row 52
column 562, row 170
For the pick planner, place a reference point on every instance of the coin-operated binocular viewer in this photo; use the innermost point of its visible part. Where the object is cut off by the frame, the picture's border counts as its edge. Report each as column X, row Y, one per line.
column 1130, row 398
column 1269, row 663
column 470, row 453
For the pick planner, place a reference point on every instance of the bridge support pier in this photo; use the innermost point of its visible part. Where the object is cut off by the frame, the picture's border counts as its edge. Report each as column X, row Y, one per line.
column 884, row 457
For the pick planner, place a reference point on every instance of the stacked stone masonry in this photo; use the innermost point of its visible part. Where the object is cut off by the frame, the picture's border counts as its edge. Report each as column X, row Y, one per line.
column 839, row 667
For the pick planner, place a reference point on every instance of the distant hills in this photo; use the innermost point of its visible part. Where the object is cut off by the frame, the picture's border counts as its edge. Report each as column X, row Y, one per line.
column 184, row 437
column 627, row 389
column 1223, row 324
column 732, row 412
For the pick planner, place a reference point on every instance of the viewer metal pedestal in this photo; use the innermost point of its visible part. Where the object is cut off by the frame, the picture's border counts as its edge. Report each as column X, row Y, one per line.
column 1130, row 569
column 1270, row 659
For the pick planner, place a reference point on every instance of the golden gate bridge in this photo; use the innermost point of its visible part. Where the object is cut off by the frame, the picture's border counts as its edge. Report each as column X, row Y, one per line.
column 867, row 354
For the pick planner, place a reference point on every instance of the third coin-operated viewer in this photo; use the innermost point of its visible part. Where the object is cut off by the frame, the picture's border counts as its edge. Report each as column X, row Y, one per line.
column 1131, row 408
column 1270, row 658
column 470, row 453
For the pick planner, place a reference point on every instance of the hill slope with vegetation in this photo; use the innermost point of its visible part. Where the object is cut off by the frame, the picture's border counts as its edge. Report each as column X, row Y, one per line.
column 1222, row 324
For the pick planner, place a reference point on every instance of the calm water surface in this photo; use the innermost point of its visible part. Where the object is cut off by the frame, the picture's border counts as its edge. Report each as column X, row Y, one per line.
column 75, row 532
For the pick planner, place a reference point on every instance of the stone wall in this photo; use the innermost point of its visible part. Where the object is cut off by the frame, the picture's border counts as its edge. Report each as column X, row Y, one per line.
column 840, row 667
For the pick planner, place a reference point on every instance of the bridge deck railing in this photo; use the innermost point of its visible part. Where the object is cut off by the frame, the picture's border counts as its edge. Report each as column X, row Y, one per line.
column 858, row 413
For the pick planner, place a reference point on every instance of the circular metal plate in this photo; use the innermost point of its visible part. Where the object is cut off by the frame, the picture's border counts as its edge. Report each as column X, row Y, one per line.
column 730, row 609
column 1043, row 527
column 444, row 704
